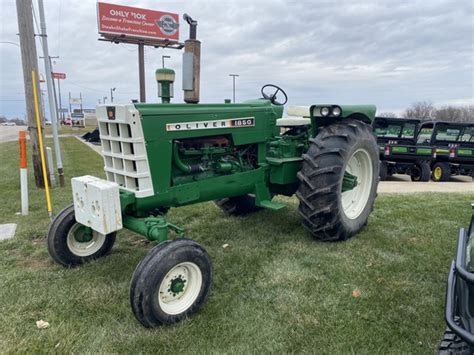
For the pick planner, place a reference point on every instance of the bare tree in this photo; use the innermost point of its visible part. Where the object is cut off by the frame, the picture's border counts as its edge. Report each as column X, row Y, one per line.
column 387, row 114
column 423, row 110
column 449, row 113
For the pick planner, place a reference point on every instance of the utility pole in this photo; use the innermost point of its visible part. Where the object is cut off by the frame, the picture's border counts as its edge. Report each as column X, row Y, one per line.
column 30, row 63
column 51, row 96
column 233, row 84
column 112, row 94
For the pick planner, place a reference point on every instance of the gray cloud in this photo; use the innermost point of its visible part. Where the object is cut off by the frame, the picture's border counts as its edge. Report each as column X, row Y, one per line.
column 390, row 53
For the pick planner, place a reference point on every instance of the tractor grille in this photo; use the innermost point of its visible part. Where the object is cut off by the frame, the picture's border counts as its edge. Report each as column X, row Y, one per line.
column 123, row 148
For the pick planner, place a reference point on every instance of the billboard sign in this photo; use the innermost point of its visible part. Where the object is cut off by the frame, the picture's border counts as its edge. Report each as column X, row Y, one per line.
column 59, row 76
column 135, row 22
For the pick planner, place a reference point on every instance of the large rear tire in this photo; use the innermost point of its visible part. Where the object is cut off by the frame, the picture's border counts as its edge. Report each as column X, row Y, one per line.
column 328, row 213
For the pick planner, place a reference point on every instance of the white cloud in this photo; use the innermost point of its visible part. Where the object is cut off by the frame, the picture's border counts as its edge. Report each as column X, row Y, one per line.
column 390, row 53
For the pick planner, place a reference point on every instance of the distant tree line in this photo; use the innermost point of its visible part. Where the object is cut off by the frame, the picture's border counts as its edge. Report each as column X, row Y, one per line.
column 18, row 121
column 426, row 111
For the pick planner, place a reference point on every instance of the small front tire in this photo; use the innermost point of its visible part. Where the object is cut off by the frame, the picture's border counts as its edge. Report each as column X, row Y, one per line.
column 71, row 243
column 170, row 283
column 441, row 172
column 420, row 172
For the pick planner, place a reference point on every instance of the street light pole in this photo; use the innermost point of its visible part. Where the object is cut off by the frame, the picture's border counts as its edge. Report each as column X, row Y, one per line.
column 112, row 94
column 233, row 85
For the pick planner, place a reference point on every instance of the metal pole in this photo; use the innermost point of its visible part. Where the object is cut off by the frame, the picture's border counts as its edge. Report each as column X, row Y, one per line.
column 60, row 105
column 141, row 71
column 51, row 97
column 233, row 85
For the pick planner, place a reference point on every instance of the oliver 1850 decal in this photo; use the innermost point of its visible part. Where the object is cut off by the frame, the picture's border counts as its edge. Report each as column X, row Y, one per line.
column 230, row 123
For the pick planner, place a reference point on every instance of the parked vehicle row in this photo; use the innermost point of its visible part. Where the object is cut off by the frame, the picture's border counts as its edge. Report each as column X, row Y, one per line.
column 424, row 150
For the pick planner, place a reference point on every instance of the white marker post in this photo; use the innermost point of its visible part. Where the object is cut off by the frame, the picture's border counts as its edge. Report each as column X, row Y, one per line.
column 23, row 173
column 49, row 156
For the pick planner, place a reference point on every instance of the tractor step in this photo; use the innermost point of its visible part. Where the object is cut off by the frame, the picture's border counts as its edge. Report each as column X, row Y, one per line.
column 271, row 205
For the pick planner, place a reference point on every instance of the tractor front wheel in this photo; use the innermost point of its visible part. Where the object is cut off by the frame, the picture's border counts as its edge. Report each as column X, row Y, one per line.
column 71, row 243
column 338, row 180
column 441, row 172
column 170, row 283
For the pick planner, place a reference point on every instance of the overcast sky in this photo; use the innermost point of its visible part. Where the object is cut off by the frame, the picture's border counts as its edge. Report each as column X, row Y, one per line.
column 389, row 53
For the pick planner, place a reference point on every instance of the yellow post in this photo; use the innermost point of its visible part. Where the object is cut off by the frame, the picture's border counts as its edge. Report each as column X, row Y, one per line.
column 43, row 161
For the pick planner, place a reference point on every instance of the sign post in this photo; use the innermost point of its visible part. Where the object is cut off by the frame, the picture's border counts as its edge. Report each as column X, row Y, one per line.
column 126, row 24
column 59, row 76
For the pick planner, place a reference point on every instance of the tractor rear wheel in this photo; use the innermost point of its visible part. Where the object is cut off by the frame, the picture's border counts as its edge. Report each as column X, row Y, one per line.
column 339, row 153
column 238, row 205
column 420, row 172
column 71, row 243
column 170, row 283
column 441, row 172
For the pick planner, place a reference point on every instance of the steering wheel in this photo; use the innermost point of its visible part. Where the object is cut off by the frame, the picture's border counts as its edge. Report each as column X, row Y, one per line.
column 273, row 97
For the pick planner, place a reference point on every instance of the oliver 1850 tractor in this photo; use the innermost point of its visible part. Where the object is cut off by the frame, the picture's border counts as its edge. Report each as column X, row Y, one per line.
column 159, row 156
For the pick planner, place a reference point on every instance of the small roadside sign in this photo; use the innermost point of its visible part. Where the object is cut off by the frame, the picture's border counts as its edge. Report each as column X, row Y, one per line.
column 61, row 76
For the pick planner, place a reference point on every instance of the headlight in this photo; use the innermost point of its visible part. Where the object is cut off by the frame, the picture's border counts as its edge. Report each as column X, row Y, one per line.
column 324, row 111
column 336, row 111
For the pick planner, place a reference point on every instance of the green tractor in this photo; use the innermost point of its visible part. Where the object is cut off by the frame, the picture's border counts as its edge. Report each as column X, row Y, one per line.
column 399, row 153
column 453, row 148
column 459, row 312
column 159, row 156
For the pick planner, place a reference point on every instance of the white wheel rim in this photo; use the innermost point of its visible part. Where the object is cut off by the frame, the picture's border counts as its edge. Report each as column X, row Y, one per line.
column 84, row 249
column 172, row 302
column 355, row 200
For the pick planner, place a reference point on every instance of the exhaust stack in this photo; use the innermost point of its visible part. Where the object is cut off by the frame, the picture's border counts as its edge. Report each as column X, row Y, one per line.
column 191, row 63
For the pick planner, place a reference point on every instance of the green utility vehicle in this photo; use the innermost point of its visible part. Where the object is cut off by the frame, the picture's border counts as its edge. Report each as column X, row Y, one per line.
column 453, row 148
column 159, row 156
column 459, row 335
column 396, row 138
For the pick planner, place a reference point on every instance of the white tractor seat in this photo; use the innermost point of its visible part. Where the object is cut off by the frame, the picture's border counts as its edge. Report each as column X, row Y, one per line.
column 299, row 116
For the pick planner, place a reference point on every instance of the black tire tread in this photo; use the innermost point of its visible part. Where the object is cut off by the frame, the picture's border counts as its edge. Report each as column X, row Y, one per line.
column 320, row 178
column 451, row 344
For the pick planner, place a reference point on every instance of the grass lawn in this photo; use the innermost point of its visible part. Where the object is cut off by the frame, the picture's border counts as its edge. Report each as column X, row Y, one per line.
column 275, row 289
column 79, row 131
